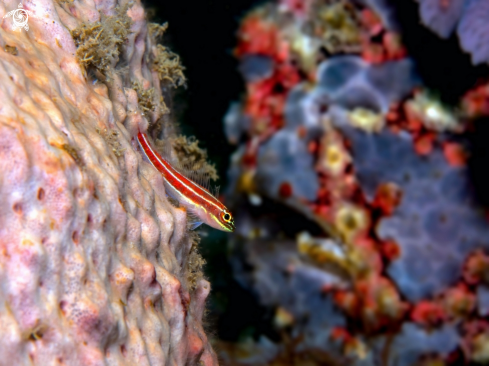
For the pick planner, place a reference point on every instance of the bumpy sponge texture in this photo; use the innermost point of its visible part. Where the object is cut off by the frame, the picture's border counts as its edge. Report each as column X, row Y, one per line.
column 92, row 254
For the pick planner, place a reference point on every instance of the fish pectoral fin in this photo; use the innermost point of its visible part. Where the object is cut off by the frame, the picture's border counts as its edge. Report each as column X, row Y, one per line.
column 194, row 225
column 193, row 221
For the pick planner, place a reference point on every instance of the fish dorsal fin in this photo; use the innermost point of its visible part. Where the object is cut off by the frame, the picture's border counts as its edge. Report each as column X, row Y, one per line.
column 169, row 155
column 202, row 178
column 199, row 176
column 166, row 151
column 216, row 191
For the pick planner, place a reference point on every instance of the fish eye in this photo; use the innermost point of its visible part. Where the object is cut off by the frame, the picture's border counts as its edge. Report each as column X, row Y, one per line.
column 227, row 217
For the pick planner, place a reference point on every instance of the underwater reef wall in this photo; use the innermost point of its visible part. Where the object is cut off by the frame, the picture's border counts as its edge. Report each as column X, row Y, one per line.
column 357, row 219
column 95, row 263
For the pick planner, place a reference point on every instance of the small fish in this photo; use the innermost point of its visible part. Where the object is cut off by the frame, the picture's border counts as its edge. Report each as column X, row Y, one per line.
column 197, row 199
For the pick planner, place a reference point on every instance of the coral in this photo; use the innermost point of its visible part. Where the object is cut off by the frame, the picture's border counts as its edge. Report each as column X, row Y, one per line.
column 157, row 30
column 282, row 154
column 384, row 11
column 146, row 99
column 436, row 207
column 475, row 102
column 415, row 341
column 167, row 65
column 480, row 348
column 347, row 155
column 351, row 82
column 256, row 67
column 279, row 276
column 432, row 113
column 99, row 43
column 195, row 264
column 259, row 36
column 190, row 155
column 112, row 139
column 338, row 26
column 366, row 119
column 97, row 266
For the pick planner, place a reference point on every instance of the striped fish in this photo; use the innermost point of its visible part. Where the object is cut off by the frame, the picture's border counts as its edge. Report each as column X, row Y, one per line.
column 198, row 200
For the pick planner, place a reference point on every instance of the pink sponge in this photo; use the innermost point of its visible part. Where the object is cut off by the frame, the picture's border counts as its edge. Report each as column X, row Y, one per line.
column 93, row 257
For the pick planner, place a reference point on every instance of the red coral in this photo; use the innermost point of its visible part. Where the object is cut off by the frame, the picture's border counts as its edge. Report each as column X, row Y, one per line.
column 387, row 197
column 424, row 142
column 375, row 301
column 258, row 36
column 390, row 250
column 350, row 344
column 373, row 53
column 300, row 8
column 266, row 98
column 475, row 103
column 455, row 154
column 455, row 303
column 388, row 48
column 428, row 313
column 340, row 334
column 476, row 268
column 414, row 122
column 285, row 190
column 475, row 337
column 395, row 50
column 459, row 301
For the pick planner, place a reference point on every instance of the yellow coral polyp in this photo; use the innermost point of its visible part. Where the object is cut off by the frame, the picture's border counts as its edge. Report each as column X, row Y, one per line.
column 246, row 182
column 357, row 348
column 283, row 318
column 432, row 113
column 481, row 348
column 366, row 120
column 338, row 26
column 321, row 251
column 334, row 159
column 306, row 48
column 349, row 221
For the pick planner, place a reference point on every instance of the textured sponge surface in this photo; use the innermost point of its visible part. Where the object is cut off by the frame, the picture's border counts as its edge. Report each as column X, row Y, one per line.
column 92, row 255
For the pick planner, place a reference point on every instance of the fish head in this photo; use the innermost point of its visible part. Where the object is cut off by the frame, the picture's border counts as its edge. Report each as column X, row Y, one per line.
column 223, row 220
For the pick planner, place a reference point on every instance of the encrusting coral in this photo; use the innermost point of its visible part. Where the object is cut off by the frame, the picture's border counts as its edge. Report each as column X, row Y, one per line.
column 358, row 222
column 190, row 154
column 100, row 43
column 166, row 63
column 94, row 261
